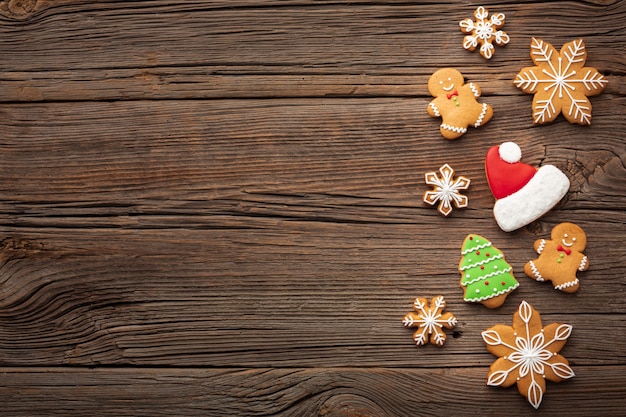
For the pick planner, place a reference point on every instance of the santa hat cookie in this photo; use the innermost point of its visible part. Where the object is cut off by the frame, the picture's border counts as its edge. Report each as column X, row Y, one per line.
column 523, row 193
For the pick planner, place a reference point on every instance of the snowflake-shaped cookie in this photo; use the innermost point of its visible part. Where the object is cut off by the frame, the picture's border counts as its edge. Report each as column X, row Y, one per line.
column 446, row 190
column 528, row 353
column 484, row 32
column 560, row 82
column 429, row 320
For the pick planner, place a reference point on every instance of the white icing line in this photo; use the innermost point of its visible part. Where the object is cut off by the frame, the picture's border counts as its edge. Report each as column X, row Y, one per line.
column 453, row 129
column 475, row 248
column 465, row 268
column 474, row 90
column 542, row 244
column 583, row 263
column 435, row 109
column 490, row 275
column 536, row 271
column 482, row 116
column 567, row 284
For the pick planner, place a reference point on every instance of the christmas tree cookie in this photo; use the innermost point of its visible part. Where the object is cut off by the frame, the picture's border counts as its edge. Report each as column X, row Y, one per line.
column 485, row 275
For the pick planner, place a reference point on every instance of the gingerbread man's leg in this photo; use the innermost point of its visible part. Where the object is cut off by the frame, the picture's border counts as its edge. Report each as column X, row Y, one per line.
column 568, row 287
column 451, row 132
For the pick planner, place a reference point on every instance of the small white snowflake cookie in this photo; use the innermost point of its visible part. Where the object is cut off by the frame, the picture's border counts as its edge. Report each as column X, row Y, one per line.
column 528, row 354
column 484, row 32
column 446, row 190
column 430, row 321
column 560, row 82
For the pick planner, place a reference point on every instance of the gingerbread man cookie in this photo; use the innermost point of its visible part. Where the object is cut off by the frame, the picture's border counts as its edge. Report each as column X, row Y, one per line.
column 455, row 102
column 560, row 258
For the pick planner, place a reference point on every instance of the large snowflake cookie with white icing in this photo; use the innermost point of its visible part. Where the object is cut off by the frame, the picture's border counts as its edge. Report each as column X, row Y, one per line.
column 523, row 193
column 455, row 102
column 429, row 320
column 485, row 31
column 485, row 275
column 446, row 190
column 560, row 257
column 528, row 354
column 560, row 82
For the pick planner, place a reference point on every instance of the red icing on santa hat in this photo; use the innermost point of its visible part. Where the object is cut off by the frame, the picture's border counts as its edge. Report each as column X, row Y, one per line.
column 505, row 173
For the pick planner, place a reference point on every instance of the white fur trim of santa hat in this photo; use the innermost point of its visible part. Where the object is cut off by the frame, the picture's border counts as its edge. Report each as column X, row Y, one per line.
column 544, row 190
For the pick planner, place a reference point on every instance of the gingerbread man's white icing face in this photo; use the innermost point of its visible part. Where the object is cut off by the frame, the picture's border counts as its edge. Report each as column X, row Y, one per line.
column 570, row 236
column 445, row 81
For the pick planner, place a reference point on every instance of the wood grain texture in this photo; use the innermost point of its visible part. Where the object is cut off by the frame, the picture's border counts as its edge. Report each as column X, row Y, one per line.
column 64, row 50
column 295, row 392
column 215, row 208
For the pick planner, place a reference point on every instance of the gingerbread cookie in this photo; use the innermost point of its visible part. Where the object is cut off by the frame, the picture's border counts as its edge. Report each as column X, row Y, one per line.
column 484, row 32
column 560, row 258
column 446, row 190
column 455, row 102
column 560, row 82
column 523, row 193
column 528, row 353
column 429, row 320
column 486, row 277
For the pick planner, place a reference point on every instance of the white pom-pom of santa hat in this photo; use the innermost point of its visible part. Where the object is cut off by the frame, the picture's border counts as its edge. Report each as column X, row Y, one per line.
column 510, row 152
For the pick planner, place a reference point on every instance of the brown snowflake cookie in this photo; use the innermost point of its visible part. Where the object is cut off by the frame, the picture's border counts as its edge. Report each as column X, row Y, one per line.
column 528, row 353
column 560, row 82
column 446, row 190
column 484, row 32
column 455, row 102
column 429, row 320
column 560, row 258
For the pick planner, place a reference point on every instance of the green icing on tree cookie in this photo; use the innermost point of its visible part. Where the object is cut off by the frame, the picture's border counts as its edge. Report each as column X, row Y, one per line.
column 484, row 272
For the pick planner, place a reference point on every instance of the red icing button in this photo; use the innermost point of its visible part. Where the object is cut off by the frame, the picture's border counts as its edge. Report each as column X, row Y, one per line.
column 504, row 178
column 503, row 283
column 477, row 252
column 486, row 282
column 482, row 267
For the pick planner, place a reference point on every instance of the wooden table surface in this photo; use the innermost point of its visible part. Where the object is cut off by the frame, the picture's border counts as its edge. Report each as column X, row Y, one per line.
column 214, row 208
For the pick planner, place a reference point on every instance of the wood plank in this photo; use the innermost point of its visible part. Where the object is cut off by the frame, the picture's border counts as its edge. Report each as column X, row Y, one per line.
column 595, row 390
column 271, row 217
column 121, row 153
column 271, row 292
column 61, row 50
column 214, row 208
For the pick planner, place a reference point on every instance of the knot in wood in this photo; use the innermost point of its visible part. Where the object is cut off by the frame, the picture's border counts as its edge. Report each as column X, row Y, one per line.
column 20, row 9
column 349, row 405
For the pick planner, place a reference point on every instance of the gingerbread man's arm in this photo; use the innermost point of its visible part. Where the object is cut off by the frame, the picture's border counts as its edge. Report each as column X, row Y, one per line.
column 540, row 244
column 473, row 89
column 432, row 109
column 584, row 264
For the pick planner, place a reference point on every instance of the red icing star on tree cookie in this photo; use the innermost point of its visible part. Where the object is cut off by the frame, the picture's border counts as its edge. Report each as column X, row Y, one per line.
column 429, row 320
column 560, row 82
column 527, row 353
